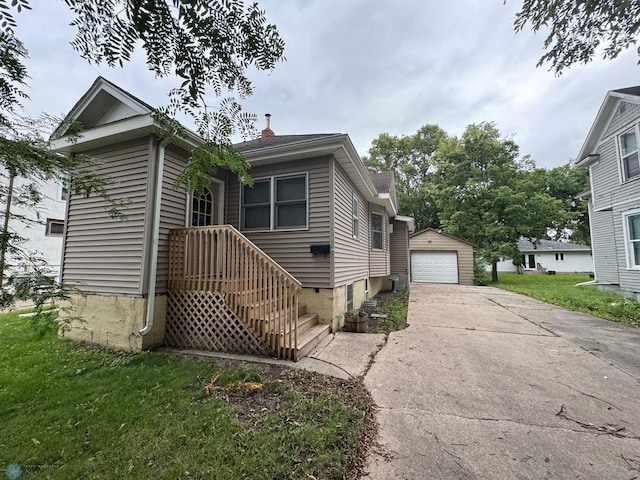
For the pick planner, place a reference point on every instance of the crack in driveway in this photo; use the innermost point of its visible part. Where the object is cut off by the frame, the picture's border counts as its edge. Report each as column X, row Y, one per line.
column 587, row 428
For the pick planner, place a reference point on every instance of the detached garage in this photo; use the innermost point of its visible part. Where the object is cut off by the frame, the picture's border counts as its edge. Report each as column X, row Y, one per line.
column 437, row 257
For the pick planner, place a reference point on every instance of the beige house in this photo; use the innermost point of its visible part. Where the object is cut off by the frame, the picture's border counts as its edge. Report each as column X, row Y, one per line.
column 437, row 257
column 265, row 270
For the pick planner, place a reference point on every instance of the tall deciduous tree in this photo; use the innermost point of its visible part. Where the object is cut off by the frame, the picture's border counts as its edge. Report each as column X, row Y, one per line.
column 412, row 160
column 566, row 183
column 489, row 195
column 578, row 28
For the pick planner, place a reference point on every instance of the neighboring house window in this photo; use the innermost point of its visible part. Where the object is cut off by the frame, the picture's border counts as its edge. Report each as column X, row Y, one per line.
column 629, row 153
column 376, row 231
column 55, row 228
column 355, row 222
column 633, row 239
column 349, row 302
column 559, row 256
column 202, row 209
column 275, row 203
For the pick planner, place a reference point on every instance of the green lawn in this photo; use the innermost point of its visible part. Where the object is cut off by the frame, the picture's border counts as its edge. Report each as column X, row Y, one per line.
column 70, row 412
column 561, row 290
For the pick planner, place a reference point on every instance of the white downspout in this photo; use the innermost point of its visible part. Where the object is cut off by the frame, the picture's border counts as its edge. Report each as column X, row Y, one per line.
column 153, row 267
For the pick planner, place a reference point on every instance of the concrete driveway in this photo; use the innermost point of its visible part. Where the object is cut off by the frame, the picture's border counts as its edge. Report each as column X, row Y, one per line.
column 486, row 384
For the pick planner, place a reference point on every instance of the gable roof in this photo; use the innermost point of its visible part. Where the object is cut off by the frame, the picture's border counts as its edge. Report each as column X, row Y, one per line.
column 107, row 112
column 525, row 245
column 607, row 109
column 440, row 232
column 103, row 103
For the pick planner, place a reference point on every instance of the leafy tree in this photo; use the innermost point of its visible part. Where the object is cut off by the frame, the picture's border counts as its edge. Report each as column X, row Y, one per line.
column 578, row 28
column 566, row 183
column 490, row 196
column 207, row 45
column 412, row 160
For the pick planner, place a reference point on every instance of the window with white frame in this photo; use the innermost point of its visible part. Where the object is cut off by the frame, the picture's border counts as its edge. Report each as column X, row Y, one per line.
column 55, row 228
column 275, row 203
column 629, row 153
column 559, row 257
column 632, row 227
column 376, row 231
column 355, row 219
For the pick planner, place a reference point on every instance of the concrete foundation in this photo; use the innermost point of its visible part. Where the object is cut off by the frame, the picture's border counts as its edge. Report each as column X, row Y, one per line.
column 330, row 303
column 113, row 321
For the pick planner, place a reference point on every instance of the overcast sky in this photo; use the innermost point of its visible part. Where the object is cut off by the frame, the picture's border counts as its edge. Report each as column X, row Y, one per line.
column 365, row 67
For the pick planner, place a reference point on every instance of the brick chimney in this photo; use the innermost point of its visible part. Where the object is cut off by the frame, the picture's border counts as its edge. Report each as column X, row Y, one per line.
column 267, row 132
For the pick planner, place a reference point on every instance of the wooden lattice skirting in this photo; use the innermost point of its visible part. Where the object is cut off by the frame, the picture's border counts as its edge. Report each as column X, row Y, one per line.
column 202, row 320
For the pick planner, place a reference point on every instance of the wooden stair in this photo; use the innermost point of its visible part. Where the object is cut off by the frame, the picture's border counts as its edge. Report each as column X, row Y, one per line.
column 309, row 334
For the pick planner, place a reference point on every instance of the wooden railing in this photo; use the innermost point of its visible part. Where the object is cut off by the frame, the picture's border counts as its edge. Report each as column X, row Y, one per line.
column 262, row 293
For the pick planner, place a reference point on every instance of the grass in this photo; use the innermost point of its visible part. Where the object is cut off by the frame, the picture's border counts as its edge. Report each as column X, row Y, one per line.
column 74, row 412
column 561, row 290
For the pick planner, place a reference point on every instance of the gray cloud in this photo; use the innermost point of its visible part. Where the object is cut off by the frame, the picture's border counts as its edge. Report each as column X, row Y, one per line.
column 365, row 67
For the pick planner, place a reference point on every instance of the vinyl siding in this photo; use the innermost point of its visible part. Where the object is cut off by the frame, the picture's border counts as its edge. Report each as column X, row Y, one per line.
column 379, row 260
column 430, row 240
column 291, row 249
column 102, row 254
column 351, row 255
column 399, row 245
column 173, row 211
column 605, row 257
column 621, row 119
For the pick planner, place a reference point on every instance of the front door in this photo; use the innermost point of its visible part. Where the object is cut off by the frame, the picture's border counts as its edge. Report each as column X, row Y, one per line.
column 532, row 261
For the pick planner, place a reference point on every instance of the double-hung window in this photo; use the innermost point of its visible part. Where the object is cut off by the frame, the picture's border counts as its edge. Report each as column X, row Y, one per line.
column 275, row 203
column 632, row 227
column 629, row 153
column 376, row 232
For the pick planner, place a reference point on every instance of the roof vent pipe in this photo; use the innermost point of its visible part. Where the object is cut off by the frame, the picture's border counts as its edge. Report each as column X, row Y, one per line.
column 267, row 132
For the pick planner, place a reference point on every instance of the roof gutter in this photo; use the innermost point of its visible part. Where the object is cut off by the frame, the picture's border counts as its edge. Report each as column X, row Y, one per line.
column 153, row 267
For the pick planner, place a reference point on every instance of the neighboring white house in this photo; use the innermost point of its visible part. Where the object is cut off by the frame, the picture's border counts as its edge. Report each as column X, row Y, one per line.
column 611, row 154
column 44, row 235
column 560, row 257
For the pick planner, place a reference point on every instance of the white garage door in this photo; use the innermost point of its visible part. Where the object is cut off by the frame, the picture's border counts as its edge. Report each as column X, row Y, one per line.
column 434, row 267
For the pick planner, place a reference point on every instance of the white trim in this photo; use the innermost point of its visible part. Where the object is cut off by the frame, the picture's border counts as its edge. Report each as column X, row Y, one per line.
column 220, row 199
column 621, row 168
column 627, row 241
